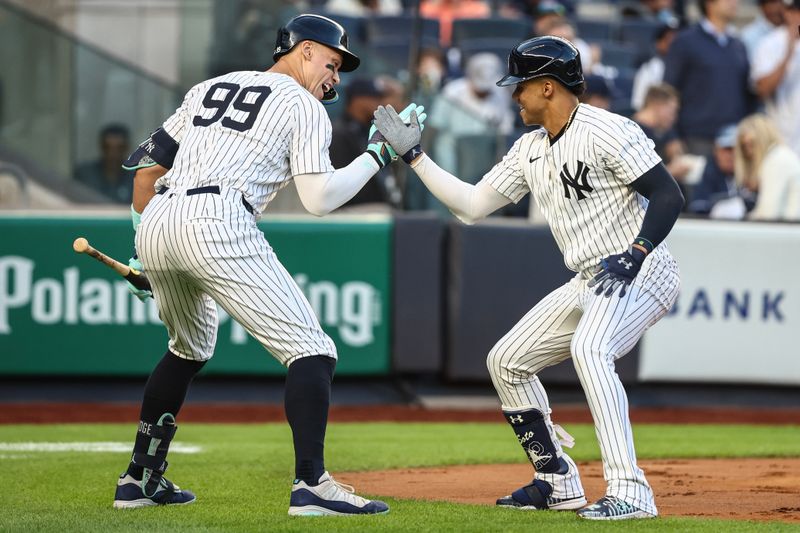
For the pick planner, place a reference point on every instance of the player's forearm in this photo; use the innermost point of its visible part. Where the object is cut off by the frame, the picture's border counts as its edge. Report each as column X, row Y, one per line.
column 468, row 202
column 324, row 192
column 144, row 185
column 665, row 204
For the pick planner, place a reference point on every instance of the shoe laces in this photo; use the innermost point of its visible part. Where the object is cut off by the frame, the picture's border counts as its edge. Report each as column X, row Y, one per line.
column 618, row 506
column 346, row 493
column 344, row 486
column 564, row 438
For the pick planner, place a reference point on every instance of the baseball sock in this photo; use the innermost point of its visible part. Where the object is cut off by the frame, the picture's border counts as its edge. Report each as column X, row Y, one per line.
column 306, row 400
column 164, row 393
column 532, row 433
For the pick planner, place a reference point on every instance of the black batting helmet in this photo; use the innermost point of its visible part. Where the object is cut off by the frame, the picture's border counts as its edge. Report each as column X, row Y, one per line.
column 318, row 29
column 544, row 56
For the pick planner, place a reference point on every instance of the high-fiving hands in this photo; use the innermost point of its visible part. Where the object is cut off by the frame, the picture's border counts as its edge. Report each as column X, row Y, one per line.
column 401, row 132
column 379, row 146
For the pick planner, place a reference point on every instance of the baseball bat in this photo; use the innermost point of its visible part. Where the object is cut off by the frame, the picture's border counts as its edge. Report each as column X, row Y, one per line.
column 137, row 278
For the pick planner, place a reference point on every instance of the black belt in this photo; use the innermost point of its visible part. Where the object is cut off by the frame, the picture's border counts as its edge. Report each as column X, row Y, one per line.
column 208, row 189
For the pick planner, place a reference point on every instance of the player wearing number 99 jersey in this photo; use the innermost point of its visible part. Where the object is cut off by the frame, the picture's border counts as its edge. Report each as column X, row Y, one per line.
column 610, row 203
column 201, row 181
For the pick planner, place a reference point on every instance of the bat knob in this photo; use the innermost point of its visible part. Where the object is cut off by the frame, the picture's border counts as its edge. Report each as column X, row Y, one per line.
column 80, row 245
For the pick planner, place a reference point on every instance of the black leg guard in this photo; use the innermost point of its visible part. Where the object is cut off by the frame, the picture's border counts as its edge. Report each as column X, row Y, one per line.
column 164, row 394
column 535, row 439
column 307, row 398
column 154, row 462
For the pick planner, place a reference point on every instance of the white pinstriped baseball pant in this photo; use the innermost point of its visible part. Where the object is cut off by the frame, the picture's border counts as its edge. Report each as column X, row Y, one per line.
column 206, row 248
column 574, row 322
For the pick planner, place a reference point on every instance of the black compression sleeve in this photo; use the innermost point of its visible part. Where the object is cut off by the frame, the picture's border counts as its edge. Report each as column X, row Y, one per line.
column 666, row 202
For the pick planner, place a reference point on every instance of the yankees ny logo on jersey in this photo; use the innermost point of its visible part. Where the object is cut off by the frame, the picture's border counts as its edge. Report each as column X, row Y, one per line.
column 580, row 182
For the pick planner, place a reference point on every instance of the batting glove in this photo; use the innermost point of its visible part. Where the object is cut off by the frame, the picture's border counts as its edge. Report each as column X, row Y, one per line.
column 379, row 148
column 404, row 138
column 143, row 295
column 617, row 272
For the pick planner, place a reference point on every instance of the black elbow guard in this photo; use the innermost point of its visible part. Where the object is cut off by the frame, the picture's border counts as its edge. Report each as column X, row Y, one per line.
column 160, row 148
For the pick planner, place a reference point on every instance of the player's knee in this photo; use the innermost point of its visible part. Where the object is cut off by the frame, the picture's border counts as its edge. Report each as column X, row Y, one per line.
column 494, row 362
column 585, row 353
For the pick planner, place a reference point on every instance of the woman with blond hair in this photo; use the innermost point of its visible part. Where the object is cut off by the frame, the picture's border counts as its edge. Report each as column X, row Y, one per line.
column 764, row 164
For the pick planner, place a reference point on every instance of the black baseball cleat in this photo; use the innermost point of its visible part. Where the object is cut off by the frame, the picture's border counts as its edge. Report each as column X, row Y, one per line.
column 612, row 508
column 130, row 495
column 538, row 497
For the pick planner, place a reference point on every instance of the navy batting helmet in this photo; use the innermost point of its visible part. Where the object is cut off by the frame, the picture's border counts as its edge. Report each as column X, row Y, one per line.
column 318, row 29
column 544, row 56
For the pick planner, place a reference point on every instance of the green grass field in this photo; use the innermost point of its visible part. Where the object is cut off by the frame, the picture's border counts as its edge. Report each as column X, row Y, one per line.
column 242, row 476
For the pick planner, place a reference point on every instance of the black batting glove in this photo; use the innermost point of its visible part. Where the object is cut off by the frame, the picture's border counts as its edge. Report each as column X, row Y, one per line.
column 617, row 272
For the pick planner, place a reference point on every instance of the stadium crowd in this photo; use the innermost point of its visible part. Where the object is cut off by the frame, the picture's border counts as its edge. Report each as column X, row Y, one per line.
column 717, row 92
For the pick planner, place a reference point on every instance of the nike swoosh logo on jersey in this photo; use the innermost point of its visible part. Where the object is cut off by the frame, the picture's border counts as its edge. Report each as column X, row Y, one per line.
column 535, row 158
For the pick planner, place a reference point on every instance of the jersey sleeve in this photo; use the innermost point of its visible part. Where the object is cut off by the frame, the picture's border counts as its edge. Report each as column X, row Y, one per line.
column 506, row 177
column 178, row 123
column 625, row 150
column 311, row 139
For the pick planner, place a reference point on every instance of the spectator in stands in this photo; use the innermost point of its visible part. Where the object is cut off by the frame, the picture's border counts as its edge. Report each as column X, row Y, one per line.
column 446, row 11
column 765, row 166
column 769, row 18
column 106, row 175
column 717, row 183
column 471, row 105
column 651, row 72
column 657, row 119
column 363, row 8
column 653, row 10
column 350, row 133
column 431, row 73
column 533, row 8
column 776, row 75
column 598, row 93
column 708, row 66
column 545, row 14
column 561, row 27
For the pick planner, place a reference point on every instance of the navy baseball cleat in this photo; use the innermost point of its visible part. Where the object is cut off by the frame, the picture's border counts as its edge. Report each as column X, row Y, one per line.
column 129, row 494
column 612, row 508
column 330, row 498
column 538, row 497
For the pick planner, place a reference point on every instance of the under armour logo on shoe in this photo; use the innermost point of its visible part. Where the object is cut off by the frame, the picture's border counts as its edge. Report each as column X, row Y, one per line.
column 624, row 262
column 515, row 419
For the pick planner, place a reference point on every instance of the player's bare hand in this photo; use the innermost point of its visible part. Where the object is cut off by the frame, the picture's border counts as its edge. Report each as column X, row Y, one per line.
column 617, row 272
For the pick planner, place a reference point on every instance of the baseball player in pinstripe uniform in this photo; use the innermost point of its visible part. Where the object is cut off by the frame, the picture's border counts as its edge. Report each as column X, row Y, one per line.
column 201, row 181
column 610, row 203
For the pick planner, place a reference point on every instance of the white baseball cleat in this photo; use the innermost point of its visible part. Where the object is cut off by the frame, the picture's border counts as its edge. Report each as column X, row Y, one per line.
column 330, row 497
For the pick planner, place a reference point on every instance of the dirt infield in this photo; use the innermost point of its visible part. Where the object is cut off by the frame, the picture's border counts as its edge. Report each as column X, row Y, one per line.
column 736, row 489
column 54, row 413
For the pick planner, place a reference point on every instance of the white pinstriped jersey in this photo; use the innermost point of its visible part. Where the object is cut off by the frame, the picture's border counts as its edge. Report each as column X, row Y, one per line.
column 250, row 131
column 581, row 182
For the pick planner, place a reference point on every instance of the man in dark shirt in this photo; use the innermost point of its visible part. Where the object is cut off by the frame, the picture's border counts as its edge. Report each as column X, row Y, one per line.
column 708, row 66
column 106, row 175
column 350, row 133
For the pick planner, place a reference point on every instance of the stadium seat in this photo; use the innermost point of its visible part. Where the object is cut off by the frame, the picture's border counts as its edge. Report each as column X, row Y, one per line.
column 392, row 52
column 639, row 33
column 594, row 30
column 476, row 155
column 497, row 46
column 399, row 27
column 622, row 56
column 354, row 26
column 491, row 28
